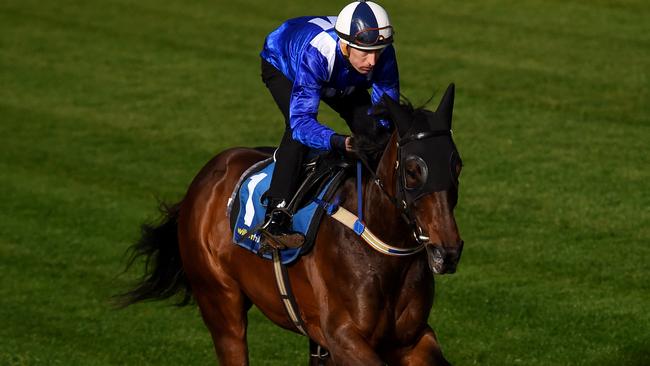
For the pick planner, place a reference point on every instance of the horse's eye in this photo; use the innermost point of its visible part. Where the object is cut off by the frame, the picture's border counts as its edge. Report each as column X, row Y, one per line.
column 415, row 172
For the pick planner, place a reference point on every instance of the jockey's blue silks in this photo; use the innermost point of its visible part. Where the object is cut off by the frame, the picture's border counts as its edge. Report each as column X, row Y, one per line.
column 306, row 50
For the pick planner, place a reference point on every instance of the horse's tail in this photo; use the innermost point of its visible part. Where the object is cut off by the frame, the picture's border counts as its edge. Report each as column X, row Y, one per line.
column 164, row 275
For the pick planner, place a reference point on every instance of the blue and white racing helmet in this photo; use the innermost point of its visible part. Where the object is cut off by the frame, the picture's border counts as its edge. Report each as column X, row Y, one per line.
column 364, row 25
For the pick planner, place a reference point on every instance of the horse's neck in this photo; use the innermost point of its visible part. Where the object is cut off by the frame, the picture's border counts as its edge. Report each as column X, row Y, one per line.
column 384, row 220
column 383, row 217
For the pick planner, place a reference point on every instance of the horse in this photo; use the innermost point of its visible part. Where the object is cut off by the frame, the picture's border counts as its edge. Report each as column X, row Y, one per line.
column 364, row 307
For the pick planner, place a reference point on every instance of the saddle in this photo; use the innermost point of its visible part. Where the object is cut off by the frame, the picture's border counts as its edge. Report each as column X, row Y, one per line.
column 319, row 179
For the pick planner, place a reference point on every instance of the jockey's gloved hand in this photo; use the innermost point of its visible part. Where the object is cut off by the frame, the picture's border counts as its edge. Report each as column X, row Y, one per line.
column 338, row 143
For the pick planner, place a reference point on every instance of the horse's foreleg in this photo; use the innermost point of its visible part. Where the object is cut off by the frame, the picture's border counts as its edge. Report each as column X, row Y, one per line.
column 348, row 347
column 425, row 352
column 225, row 314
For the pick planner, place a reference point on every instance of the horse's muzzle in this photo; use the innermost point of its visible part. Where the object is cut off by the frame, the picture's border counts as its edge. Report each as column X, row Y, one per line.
column 444, row 258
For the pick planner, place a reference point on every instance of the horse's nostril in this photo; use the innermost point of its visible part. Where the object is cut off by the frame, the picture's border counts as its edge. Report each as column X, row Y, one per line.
column 436, row 256
column 439, row 256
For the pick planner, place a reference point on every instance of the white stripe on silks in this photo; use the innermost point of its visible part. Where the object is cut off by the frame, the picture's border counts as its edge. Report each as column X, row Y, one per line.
column 250, row 208
column 324, row 24
column 326, row 45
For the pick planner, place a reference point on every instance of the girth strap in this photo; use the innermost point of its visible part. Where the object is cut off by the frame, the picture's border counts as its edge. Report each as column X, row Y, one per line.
column 284, row 286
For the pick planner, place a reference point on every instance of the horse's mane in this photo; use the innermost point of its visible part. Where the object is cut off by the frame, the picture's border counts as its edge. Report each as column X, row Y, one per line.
column 369, row 147
column 370, row 143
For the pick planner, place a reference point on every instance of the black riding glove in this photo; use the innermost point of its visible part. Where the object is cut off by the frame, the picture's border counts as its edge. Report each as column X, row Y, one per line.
column 338, row 143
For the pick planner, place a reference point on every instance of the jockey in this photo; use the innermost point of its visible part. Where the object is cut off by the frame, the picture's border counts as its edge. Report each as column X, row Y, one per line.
column 333, row 59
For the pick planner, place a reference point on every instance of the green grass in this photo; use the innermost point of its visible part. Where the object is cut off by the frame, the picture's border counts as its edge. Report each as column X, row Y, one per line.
column 106, row 106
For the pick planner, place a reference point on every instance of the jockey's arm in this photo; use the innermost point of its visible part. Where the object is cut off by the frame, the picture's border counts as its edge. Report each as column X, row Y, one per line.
column 305, row 128
column 305, row 98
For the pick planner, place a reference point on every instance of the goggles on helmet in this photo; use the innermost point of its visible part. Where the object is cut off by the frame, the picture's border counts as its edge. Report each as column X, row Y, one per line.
column 372, row 36
column 369, row 37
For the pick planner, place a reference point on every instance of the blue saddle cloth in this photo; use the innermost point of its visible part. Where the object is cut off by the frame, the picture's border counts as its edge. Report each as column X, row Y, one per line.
column 250, row 213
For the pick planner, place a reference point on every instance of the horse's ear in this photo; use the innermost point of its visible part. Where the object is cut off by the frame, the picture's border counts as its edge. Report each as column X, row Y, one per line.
column 446, row 106
column 400, row 118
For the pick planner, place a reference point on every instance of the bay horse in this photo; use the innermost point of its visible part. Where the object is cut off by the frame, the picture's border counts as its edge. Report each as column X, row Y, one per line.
column 365, row 307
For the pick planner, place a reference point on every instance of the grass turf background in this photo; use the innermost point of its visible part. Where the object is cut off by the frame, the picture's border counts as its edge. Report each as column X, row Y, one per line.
column 106, row 106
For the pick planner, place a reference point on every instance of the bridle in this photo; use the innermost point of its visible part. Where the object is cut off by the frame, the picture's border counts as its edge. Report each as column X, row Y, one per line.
column 402, row 200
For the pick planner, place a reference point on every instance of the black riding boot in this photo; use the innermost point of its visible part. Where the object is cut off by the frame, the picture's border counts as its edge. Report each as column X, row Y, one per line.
column 277, row 228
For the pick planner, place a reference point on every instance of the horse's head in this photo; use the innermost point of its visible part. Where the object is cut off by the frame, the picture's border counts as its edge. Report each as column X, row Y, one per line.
column 425, row 168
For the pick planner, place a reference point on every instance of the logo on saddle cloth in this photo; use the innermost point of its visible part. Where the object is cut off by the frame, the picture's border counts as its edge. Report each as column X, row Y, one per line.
column 246, row 211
